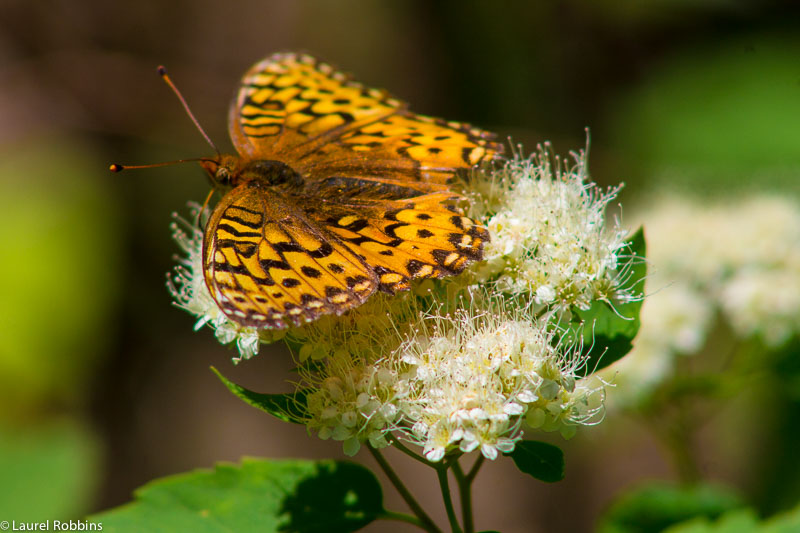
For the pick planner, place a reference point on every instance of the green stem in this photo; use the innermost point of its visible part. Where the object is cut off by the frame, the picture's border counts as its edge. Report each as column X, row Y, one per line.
column 465, row 490
column 444, row 484
column 475, row 467
column 399, row 445
column 425, row 521
column 401, row 517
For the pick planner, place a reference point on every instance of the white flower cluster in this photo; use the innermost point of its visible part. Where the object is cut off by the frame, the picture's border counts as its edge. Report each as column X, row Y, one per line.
column 549, row 237
column 466, row 379
column 352, row 393
column 473, row 378
column 462, row 363
column 353, row 402
column 739, row 261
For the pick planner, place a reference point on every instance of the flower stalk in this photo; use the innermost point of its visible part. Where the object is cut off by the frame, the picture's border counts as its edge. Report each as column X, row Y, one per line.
column 425, row 521
column 444, row 485
column 465, row 491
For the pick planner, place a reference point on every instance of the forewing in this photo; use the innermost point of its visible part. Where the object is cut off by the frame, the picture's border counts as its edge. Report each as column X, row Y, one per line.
column 299, row 110
column 404, row 146
column 267, row 266
column 290, row 104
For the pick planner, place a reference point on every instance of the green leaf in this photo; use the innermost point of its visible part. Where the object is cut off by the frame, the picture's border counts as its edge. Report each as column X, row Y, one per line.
column 784, row 522
column 541, row 460
column 259, row 495
column 742, row 521
column 656, row 506
column 738, row 521
column 286, row 407
column 608, row 332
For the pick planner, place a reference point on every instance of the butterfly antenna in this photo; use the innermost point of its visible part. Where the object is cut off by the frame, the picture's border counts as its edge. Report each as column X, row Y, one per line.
column 116, row 167
column 162, row 71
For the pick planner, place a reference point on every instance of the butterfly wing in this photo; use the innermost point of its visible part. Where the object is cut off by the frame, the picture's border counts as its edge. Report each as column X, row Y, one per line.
column 267, row 266
column 400, row 232
column 373, row 209
column 289, row 104
column 404, row 146
column 296, row 109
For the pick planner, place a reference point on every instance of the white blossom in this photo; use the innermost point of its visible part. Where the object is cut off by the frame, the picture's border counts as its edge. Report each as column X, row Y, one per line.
column 549, row 236
column 350, row 401
column 738, row 261
column 469, row 378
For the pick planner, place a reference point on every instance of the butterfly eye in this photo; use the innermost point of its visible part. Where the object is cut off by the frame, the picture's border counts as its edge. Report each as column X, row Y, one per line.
column 223, row 175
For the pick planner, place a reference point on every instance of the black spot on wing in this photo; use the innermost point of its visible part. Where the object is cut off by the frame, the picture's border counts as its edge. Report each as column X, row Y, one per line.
column 413, row 266
column 311, row 272
column 323, row 251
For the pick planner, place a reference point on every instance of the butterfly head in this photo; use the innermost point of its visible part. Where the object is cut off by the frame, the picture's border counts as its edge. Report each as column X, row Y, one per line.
column 222, row 170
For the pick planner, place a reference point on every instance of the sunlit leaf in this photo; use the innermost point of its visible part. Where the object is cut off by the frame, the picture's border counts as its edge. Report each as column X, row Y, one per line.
column 258, row 495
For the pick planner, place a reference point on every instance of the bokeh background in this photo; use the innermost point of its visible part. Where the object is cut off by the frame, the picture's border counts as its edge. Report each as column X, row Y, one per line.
column 105, row 386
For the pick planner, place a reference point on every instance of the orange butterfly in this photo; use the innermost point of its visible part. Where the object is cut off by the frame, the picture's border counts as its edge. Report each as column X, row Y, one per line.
column 338, row 191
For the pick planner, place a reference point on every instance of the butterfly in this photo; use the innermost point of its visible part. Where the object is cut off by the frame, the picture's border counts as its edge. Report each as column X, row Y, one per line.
column 338, row 191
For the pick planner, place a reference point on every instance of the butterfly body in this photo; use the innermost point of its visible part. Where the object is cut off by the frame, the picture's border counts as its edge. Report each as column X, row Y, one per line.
column 230, row 171
column 338, row 191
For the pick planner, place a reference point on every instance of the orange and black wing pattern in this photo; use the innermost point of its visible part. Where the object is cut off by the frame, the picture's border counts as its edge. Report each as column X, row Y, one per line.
column 373, row 210
column 268, row 266
column 299, row 110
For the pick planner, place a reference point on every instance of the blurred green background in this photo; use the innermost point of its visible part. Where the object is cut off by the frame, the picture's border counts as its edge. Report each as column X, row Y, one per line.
column 104, row 385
